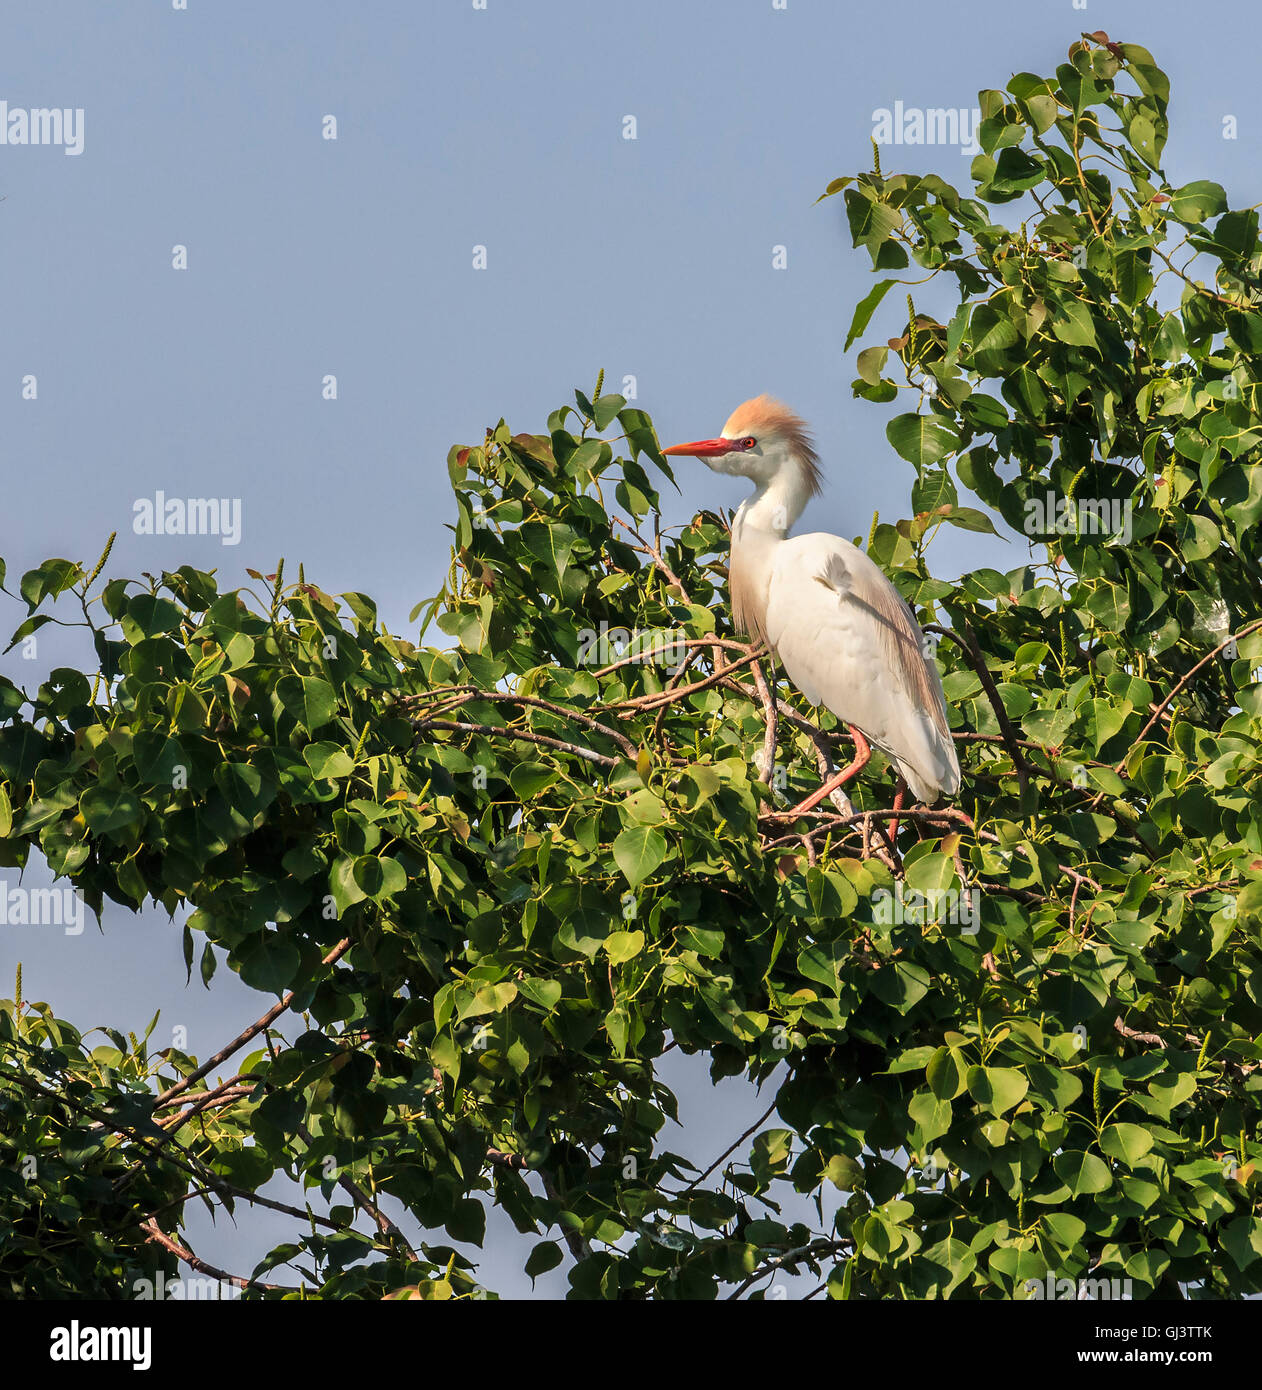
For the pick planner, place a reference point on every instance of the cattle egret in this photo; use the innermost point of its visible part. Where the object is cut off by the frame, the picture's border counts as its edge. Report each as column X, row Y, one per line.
column 841, row 630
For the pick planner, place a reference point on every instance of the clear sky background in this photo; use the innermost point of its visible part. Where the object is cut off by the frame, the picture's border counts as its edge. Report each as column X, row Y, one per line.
column 459, row 127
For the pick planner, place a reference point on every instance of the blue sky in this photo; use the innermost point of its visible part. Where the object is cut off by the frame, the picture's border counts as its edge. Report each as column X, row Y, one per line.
column 458, row 127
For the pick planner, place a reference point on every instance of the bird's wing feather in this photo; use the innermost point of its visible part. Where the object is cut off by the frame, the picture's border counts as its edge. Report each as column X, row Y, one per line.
column 849, row 642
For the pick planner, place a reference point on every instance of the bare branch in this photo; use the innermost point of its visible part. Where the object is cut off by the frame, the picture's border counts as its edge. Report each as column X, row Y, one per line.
column 245, row 1035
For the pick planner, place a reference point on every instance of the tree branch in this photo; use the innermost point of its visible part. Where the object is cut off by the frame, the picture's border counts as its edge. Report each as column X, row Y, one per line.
column 245, row 1035
column 154, row 1233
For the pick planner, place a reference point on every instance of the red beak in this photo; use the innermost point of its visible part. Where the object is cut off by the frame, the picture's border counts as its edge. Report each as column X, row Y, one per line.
column 704, row 448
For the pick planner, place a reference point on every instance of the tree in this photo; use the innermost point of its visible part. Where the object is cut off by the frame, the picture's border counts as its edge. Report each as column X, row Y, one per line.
column 500, row 880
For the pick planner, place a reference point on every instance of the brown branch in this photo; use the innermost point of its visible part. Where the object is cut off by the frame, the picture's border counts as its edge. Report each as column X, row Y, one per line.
column 507, row 731
column 1064, row 868
column 365, row 1203
column 652, row 700
column 689, row 643
column 655, row 552
column 209, row 1100
column 650, row 549
column 1160, row 709
column 199, row 1097
column 578, row 1246
column 1131, row 1033
column 816, row 1247
column 676, row 676
column 531, row 701
column 930, row 813
column 154, row 1233
column 245, row 1035
column 732, row 1147
column 817, row 735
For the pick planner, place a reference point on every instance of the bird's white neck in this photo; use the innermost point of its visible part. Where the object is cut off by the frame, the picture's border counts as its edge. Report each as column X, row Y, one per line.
column 759, row 527
column 775, row 506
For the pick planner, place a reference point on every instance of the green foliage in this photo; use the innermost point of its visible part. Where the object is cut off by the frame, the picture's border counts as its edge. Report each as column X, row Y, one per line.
column 503, row 877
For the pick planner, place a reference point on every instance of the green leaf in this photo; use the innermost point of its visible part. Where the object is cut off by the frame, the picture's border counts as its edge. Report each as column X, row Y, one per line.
column 1082, row 1173
column 244, row 789
column 902, row 985
column 865, row 309
column 269, row 963
column 1242, row 1240
column 992, row 331
column 545, row 993
column 108, row 810
column 529, row 779
column 467, row 1222
column 618, row 1026
column 1196, row 201
column 311, row 700
column 380, row 878
column 149, row 616
column 605, row 409
column 1072, row 323
column 945, row 1073
column 870, row 222
column 931, row 873
column 328, row 760
column 970, row 519
column 1126, row 1142
column 160, row 759
column 930, row 1114
column 53, row 577
column 922, row 439
column 622, row 946
column 638, row 851
column 999, row 1089
column 545, row 1256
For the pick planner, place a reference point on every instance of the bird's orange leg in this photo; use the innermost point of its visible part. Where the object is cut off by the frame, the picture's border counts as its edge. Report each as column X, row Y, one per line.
column 898, row 806
column 862, row 752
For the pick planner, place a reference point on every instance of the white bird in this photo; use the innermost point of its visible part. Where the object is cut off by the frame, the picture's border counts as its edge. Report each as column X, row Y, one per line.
column 842, row 631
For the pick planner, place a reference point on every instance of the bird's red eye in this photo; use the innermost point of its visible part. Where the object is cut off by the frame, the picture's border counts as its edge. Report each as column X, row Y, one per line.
column 748, row 442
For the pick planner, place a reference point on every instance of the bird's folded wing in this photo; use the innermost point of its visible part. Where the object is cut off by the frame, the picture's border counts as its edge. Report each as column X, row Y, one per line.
column 849, row 641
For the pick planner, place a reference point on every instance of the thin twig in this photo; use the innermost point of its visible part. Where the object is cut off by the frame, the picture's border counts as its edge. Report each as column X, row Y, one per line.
column 735, row 1145
column 245, row 1035
column 531, row 701
column 1155, row 1038
column 816, row 1247
column 154, row 1233
column 507, row 731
